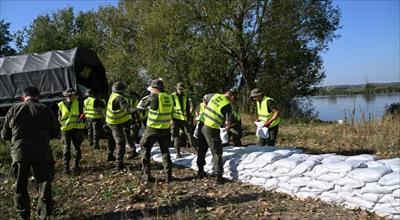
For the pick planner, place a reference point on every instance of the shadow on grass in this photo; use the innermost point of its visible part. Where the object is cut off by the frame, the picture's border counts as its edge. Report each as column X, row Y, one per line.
column 341, row 152
column 188, row 203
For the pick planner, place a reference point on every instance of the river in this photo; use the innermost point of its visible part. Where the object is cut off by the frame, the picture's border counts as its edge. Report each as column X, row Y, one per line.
column 339, row 107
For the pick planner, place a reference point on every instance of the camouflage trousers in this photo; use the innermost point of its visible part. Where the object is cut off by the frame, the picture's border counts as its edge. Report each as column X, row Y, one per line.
column 178, row 125
column 95, row 131
column 122, row 136
column 150, row 137
column 43, row 172
column 214, row 142
column 73, row 136
column 202, row 148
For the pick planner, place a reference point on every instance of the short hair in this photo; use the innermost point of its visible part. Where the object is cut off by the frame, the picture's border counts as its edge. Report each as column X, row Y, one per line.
column 31, row 91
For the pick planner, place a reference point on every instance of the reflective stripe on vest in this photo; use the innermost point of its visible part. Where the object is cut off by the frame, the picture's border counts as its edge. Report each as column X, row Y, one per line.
column 70, row 118
column 89, row 110
column 201, row 111
column 212, row 114
column 116, row 116
column 263, row 114
column 178, row 112
column 161, row 118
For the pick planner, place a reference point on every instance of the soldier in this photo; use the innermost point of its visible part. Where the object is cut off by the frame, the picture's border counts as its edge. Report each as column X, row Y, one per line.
column 118, row 118
column 181, row 117
column 29, row 126
column 201, row 141
column 236, row 131
column 72, row 125
column 158, row 129
column 217, row 113
column 94, row 109
column 268, row 114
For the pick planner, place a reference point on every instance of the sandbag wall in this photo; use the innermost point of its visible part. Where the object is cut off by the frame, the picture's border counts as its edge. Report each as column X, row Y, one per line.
column 359, row 181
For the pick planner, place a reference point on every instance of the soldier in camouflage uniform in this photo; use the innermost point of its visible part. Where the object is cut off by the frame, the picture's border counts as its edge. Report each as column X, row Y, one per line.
column 158, row 129
column 29, row 126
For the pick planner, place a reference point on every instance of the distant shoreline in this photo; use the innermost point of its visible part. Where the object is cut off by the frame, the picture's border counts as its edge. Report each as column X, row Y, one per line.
column 369, row 88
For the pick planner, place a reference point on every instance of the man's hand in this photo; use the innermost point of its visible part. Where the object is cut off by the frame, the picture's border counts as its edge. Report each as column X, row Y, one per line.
column 267, row 124
column 82, row 117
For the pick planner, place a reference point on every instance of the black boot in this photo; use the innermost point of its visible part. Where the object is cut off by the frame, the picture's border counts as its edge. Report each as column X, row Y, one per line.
column 169, row 176
column 66, row 168
column 201, row 174
column 219, row 180
column 147, row 178
column 77, row 168
column 120, row 166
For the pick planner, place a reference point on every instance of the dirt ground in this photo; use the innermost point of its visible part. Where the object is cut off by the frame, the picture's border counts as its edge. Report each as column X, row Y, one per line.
column 101, row 192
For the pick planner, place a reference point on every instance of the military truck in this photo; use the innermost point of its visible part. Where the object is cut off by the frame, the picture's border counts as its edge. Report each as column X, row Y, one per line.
column 51, row 72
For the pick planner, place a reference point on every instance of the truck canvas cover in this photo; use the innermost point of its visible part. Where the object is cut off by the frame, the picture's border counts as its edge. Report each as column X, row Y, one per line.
column 51, row 72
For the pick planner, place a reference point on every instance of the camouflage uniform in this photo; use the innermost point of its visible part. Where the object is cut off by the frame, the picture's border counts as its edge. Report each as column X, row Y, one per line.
column 30, row 126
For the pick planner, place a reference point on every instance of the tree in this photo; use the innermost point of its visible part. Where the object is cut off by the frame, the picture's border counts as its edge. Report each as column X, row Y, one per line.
column 5, row 39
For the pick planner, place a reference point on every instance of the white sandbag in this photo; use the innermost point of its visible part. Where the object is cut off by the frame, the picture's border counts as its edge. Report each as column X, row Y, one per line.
column 288, row 151
column 368, row 175
column 330, row 197
column 346, row 181
column 371, row 197
column 385, row 209
column 303, row 167
column 308, row 189
column 394, row 164
column 317, row 171
column 390, row 179
column 290, row 189
column 342, row 166
column 284, row 178
column 340, row 189
column 331, row 176
column 287, row 163
column 262, row 132
column 396, row 193
column 271, row 184
column 360, row 202
column 362, row 157
column 305, row 195
column 257, row 181
column 372, row 163
column 299, row 181
column 270, row 157
column 261, row 174
column 376, row 188
column 223, row 133
column 333, row 158
column 388, row 198
column 299, row 156
column 321, row 185
column 196, row 131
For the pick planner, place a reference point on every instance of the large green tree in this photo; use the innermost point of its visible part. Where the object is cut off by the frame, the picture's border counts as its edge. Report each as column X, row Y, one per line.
column 5, row 39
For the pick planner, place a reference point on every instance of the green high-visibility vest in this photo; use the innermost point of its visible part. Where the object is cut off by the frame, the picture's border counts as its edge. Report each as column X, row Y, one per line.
column 70, row 117
column 212, row 114
column 118, row 116
column 264, row 114
column 89, row 110
column 179, row 112
column 161, row 118
column 201, row 111
column 237, row 116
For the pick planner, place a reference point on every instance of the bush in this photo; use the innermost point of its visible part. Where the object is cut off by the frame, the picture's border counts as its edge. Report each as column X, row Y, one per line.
column 393, row 109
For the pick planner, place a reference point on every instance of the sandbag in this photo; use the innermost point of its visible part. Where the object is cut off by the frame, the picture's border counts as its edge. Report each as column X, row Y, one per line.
column 321, row 185
column 360, row 202
column 303, row 167
column 390, row 179
column 388, row 198
column 262, row 132
column 223, row 133
column 330, row 197
column 288, row 152
column 371, row 164
column 368, row 175
column 317, row 171
column 371, row 197
column 271, row 184
column 396, row 193
column 305, row 195
column 333, row 158
column 290, row 189
column 376, row 188
column 331, row 176
column 299, row 181
column 346, row 181
column 342, row 166
column 362, row 157
column 386, row 209
column 257, row 181
column 394, row 164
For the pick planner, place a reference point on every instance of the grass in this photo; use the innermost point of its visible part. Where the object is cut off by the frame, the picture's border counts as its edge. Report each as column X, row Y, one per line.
column 372, row 136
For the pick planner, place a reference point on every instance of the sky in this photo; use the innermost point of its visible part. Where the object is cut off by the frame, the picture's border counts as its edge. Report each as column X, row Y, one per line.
column 368, row 49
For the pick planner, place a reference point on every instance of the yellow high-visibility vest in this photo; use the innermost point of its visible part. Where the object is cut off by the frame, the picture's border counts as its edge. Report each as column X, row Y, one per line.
column 118, row 116
column 161, row 118
column 179, row 112
column 201, row 111
column 89, row 110
column 264, row 114
column 70, row 117
column 212, row 114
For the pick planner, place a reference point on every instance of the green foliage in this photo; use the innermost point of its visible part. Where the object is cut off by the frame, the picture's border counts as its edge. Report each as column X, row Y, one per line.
column 209, row 45
column 371, row 88
column 5, row 39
